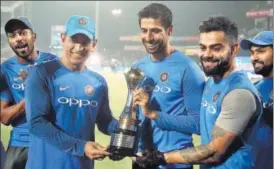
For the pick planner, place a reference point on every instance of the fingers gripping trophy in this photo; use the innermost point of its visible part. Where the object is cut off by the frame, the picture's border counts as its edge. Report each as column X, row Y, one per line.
column 123, row 141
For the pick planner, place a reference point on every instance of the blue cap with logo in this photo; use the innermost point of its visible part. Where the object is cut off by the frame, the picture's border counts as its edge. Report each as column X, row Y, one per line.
column 80, row 24
column 20, row 20
column 263, row 38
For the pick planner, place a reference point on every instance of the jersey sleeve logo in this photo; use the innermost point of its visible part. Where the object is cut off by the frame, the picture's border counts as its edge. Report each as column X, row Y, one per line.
column 89, row 90
column 164, row 76
column 216, row 96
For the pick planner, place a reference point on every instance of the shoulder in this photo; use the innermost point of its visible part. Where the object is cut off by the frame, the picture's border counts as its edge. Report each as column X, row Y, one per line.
column 98, row 77
column 46, row 68
column 9, row 61
column 140, row 63
column 47, row 56
column 186, row 62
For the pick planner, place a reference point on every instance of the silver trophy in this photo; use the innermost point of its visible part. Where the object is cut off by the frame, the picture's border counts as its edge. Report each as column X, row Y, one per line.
column 123, row 141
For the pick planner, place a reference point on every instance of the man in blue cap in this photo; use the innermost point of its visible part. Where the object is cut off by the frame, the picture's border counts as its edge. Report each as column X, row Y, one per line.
column 21, row 38
column 261, row 48
column 64, row 102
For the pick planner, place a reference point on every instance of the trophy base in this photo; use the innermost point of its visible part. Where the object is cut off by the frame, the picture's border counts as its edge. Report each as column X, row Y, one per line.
column 121, row 151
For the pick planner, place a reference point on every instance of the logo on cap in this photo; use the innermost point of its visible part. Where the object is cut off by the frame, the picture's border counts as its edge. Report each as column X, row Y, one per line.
column 82, row 21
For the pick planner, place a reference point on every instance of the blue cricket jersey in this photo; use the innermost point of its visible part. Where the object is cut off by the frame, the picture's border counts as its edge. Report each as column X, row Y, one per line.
column 265, row 87
column 19, row 136
column 176, row 96
column 243, row 155
column 62, row 108
column 265, row 159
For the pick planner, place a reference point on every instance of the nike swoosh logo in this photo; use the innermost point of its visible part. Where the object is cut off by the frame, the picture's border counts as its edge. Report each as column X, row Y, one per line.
column 64, row 88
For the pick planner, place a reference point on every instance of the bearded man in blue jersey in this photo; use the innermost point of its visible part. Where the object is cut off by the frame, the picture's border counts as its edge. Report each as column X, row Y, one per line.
column 261, row 48
column 14, row 71
column 64, row 101
column 176, row 96
column 231, row 110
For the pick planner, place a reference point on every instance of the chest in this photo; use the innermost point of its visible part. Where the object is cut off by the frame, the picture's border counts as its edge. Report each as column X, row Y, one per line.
column 266, row 90
column 16, row 75
column 167, row 82
column 211, row 100
column 76, row 90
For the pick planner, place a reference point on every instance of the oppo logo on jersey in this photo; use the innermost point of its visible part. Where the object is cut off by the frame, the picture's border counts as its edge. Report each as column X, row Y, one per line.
column 157, row 88
column 18, row 86
column 77, row 102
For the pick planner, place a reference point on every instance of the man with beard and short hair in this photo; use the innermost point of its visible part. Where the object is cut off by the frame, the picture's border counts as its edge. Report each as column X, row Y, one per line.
column 21, row 38
column 174, row 102
column 231, row 112
column 72, row 99
column 261, row 48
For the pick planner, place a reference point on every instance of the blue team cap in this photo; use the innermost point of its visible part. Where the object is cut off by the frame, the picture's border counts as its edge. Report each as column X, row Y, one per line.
column 263, row 38
column 80, row 24
column 19, row 20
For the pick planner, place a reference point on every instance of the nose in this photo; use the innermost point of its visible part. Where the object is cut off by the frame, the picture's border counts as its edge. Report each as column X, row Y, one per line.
column 18, row 38
column 148, row 36
column 253, row 57
column 205, row 53
column 79, row 47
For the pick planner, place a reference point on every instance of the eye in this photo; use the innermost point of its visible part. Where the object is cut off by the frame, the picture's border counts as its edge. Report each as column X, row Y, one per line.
column 11, row 35
column 143, row 30
column 217, row 49
column 156, row 30
column 202, row 48
column 23, row 33
column 260, row 50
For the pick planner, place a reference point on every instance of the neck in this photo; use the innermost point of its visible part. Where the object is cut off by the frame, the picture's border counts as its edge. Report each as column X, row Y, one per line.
column 163, row 54
column 70, row 66
column 227, row 73
column 32, row 57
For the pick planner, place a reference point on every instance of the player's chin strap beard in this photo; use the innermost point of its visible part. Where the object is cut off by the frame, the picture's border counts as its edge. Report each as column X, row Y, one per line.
column 29, row 58
column 266, row 70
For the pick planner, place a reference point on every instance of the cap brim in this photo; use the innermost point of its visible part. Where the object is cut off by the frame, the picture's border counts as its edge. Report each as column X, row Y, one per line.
column 247, row 43
column 11, row 22
column 81, row 31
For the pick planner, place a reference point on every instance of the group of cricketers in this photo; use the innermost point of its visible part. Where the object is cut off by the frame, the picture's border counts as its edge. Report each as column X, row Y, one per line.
column 53, row 103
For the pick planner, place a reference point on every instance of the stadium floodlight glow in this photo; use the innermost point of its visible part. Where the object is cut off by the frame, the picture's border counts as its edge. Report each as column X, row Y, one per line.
column 116, row 12
column 94, row 59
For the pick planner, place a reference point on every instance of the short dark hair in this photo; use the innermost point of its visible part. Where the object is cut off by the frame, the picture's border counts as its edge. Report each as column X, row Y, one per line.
column 220, row 23
column 157, row 11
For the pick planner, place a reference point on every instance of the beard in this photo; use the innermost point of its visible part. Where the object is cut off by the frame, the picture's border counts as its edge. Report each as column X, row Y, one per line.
column 23, row 53
column 265, row 70
column 154, row 47
column 222, row 65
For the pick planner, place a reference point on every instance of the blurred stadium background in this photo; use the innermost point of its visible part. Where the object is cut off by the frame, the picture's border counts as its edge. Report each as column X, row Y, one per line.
column 118, row 43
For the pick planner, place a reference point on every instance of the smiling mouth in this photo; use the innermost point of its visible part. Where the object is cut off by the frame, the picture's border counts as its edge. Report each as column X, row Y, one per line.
column 151, row 45
column 21, row 47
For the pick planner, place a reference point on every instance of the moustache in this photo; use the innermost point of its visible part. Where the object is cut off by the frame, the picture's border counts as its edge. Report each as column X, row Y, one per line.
column 20, row 45
column 257, row 61
column 209, row 59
